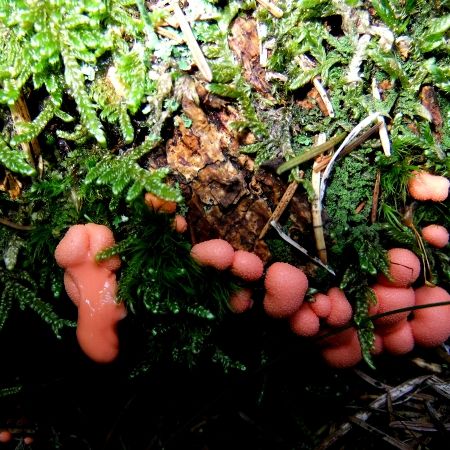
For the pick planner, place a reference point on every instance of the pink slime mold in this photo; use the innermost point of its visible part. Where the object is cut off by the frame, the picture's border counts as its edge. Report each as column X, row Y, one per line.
column 92, row 286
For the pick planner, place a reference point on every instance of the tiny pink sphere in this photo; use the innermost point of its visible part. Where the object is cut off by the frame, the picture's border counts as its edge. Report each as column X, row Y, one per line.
column 304, row 322
column 341, row 310
column 436, row 235
column 5, row 436
column 216, row 253
column 321, row 305
column 28, row 440
column 241, row 301
column 179, row 224
column 247, row 265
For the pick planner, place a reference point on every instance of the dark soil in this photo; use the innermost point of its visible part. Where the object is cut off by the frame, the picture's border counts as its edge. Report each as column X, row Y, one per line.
column 68, row 402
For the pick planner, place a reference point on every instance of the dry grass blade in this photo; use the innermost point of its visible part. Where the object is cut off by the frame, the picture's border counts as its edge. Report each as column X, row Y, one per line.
column 272, row 8
column 384, row 137
column 324, row 96
column 395, row 393
column 417, row 425
column 192, row 43
column 296, row 245
column 440, row 386
column 316, row 208
column 352, row 135
column 381, row 434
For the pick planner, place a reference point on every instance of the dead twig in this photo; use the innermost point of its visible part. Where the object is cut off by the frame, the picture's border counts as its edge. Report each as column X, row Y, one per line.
column 316, row 208
column 16, row 226
column 375, row 197
column 280, row 208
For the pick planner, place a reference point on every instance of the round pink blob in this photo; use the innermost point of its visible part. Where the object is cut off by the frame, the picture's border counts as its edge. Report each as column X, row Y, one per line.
column 425, row 186
column 436, row 235
column 216, row 253
column 321, row 305
column 404, row 268
column 286, row 286
column 391, row 298
column 400, row 340
column 241, row 300
column 304, row 322
column 431, row 326
column 247, row 265
column 345, row 355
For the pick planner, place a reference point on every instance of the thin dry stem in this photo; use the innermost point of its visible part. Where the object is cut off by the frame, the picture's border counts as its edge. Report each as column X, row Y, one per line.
column 316, row 208
column 280, row 208
column 15, row 226
column 272, row 8
column 169, row 35
column 192, row 43
column 375, row 198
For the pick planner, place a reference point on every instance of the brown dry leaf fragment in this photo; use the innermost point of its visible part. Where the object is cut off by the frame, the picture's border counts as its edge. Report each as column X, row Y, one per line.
column 300, row 213
column 244, row 43
column 239, row 225
column 313, row 100
column 11, row 185
column 430, row 102
column 20, row 114
column 193, row 148
column 220, row 184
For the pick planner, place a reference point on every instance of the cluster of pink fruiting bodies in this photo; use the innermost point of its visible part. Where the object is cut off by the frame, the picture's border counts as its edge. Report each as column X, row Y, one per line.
column 92, row 286
column 286, row 286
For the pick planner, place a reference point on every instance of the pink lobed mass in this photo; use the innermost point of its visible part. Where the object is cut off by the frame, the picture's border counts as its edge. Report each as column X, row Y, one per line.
column 345, row 355
column 426, row 186
column 341, row 310
column 399, row 340
column 286, row 286
column 431, row 326
column 391, row 298
column 304, row 322
column 247, row 265
column 92, row 287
